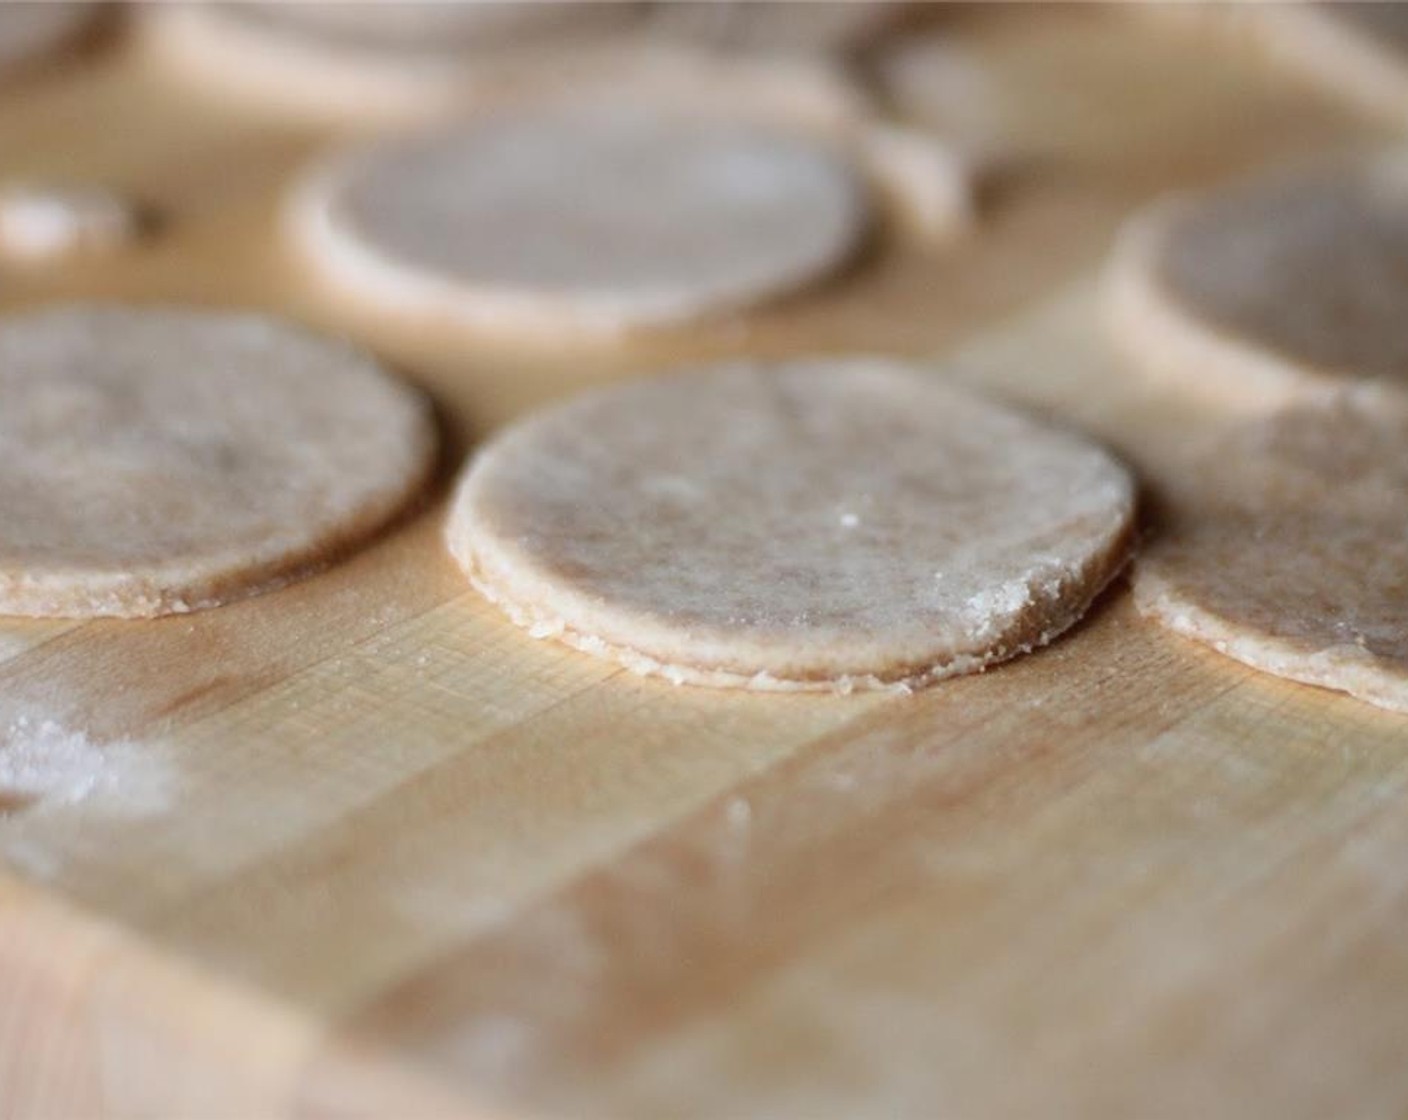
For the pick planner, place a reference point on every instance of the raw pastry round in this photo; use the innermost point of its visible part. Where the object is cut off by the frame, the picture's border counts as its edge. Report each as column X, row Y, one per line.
column 604, row 217
column 1270, row 289
column 1359, row 50
column 1284, row 547
column 827, row 525
column 160, row 461
column 31, row 30
column 376, row 60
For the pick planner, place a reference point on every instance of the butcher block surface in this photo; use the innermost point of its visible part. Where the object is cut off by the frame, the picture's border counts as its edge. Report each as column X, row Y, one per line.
column 362, row 848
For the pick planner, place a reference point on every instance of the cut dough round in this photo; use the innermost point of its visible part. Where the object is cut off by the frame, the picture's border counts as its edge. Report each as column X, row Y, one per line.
column 1284, row 546
column 600, row 218
column 31, row 31
column 378, row 61
column 825, row 525
column 160, row 461
column 1268, row 290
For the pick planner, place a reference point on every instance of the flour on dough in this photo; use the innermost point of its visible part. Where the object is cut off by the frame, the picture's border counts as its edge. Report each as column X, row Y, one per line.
column 159, row 460
column 604, row 218
column 1283, row 546
column 1270, row 289
column 825, row 524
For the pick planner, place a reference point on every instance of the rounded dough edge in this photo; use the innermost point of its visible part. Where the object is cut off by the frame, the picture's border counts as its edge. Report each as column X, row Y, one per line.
column 1174, row 345
column 356, row 269
column 219, row 578
column 513, row 582
column 1343, row 668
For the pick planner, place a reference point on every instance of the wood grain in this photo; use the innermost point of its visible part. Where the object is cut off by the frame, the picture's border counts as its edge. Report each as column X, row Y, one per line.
column 363, row 849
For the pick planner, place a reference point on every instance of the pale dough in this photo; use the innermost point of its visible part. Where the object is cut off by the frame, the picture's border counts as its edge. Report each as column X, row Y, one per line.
column 604, row 218
column 1280, row 287
column 158, row 460
column 32, row 30
column 1284, row 546
column 378, row 61
column 829, row 524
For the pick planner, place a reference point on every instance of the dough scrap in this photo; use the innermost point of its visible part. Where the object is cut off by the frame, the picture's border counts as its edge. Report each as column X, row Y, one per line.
column 156, row 461
column 1284, row 546
column 826, row 524
column 600, row 218
column 1273, row 289
column 33, row 29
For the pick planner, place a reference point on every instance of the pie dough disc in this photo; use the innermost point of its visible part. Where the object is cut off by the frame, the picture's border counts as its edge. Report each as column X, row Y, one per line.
column 823, row 524
column 155, row 461
column 600, row 218
column 1284, row 546
column 32, row 30
column 377, row 60
column 1271, row 289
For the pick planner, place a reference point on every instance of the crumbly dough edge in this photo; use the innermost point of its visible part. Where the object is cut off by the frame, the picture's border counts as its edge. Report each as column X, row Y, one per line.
column 1349, row 669
column 1063, row 610
column 146, row 595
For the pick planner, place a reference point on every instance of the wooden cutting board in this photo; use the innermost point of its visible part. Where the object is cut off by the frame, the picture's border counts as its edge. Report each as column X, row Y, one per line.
column 360, row 848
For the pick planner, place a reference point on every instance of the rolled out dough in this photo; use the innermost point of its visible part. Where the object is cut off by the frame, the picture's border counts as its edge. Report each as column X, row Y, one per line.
column 825, row 525
column 1284, row 546
column 603, row 218
column 1271, row 289
column 159, row 461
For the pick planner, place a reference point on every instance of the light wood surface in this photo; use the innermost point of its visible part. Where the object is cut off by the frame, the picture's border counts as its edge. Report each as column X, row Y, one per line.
column 361, row 848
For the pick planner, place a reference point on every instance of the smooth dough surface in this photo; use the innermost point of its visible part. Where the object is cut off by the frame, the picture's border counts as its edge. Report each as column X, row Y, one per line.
column 155, row 461
column 605, row 217
column 378, row 61
column 1284, row 546
column 30, row 30
column 829, row 524
column 1273, row 288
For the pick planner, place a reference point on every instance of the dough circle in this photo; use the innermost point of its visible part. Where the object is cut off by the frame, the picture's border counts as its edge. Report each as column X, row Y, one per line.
column 828, row 524
column 156, row 461
column 1284, row 546
column 602, row 218
column 1273, row 289
column 376, row 60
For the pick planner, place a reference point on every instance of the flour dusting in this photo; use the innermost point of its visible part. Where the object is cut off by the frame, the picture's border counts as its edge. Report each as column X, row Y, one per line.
column 49, row 766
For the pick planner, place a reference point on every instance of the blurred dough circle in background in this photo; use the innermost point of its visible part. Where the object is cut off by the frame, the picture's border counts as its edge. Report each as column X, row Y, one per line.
column 156, row 461
column 1276, row 287
column 600, row 217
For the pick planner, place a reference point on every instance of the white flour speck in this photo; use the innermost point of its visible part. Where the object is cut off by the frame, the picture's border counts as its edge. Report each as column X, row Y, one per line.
column 44, row 764
column 849, row 520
